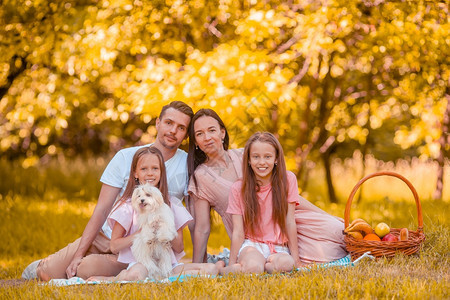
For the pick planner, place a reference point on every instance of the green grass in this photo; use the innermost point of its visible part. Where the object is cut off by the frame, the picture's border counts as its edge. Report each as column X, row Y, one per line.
column 43, row 209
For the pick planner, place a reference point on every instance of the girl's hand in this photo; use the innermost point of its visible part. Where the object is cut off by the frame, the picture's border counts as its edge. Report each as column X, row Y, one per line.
column 137, row 231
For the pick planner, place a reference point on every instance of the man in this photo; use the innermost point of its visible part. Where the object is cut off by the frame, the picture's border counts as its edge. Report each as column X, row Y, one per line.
column 75, row 259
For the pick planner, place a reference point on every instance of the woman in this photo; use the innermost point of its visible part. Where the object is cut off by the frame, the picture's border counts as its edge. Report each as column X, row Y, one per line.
column 213, row 168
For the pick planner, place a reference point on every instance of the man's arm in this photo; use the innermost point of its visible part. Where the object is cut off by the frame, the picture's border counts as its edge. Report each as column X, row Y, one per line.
column 202, row 228
column 108, row 195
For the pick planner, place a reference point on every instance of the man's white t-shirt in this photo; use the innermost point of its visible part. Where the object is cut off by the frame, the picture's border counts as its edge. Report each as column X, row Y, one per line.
column 117, row 173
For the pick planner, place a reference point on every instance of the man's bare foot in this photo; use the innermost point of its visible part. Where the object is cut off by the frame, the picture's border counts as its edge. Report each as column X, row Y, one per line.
column 99, row 278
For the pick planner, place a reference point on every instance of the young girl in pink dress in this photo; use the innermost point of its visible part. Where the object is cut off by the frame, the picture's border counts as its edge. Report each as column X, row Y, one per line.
column 262, row 206
column 147, row 167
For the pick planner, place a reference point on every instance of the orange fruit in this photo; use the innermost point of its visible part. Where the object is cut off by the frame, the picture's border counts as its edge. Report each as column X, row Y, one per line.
column 372, row 237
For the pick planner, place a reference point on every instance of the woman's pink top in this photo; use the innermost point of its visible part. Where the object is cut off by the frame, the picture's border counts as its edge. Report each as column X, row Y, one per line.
column 127, row 218
column 215, row 189
column 268, row 231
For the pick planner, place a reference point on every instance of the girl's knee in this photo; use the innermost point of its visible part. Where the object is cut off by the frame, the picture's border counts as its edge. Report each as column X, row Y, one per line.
column 287, row 262
column 137, row 274
column 209, row 268
column 252, row 266
column 282, row 263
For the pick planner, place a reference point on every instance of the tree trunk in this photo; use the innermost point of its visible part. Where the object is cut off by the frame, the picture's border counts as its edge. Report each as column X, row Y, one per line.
column 365, row 147
column 363, row 171
column 13, row 74
column 327, row 165
column 444, row 141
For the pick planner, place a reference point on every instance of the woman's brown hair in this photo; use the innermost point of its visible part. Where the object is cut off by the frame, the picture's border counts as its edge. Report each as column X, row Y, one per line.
column 250, row 185
column 196, row 156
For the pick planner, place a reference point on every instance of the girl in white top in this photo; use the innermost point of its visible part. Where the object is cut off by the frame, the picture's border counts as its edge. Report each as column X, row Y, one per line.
column 147, row 167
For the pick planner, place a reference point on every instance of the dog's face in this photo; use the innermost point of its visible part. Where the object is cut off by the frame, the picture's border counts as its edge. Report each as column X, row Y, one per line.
column 146, row 198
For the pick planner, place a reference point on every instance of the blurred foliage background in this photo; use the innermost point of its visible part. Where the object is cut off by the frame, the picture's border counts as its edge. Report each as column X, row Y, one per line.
column 328, row 77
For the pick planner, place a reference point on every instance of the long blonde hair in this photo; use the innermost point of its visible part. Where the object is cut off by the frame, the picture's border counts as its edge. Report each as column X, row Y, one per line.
column 250, row 186
column 132, row 182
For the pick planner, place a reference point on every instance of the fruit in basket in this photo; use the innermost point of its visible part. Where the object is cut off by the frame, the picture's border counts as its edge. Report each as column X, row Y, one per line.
column 372, row 237
column 404, row 234
column 353, row 224
column 389, row 238
column 359, row 225
column 356, row 235
column 382, row 229
column 356, row 221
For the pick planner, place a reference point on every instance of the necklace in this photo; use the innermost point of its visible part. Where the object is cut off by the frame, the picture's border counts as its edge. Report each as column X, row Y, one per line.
column 225, row 170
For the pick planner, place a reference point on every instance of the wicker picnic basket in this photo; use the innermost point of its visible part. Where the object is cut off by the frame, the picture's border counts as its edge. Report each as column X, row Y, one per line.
column 382, row 248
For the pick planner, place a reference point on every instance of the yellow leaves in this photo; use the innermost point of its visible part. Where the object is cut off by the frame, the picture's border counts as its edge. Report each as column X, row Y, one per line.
column 263, row 26
column 117, row 59
column 30, row 162
column 336, row 71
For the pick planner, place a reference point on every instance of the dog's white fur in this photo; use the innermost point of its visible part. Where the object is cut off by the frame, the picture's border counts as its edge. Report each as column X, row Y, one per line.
column 151, row 247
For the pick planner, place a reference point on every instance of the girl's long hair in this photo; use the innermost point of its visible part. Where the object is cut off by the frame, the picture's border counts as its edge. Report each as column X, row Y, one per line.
column 250, row 185
column 196, row 156
column 132, row 182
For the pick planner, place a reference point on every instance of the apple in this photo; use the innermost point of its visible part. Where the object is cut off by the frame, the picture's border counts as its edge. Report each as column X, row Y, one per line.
column 382, row 229
column 389, row 238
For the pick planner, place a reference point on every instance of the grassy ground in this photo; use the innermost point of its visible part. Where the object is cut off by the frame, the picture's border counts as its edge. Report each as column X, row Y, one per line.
column 43, row 209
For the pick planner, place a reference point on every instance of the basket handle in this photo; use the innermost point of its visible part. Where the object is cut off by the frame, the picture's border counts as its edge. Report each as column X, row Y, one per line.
column 411, row 187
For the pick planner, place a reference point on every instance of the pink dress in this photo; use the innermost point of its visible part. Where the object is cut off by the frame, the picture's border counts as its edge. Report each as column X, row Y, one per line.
column 319, row 235
column 268, row 232
column 127, row 218
column 215, row 189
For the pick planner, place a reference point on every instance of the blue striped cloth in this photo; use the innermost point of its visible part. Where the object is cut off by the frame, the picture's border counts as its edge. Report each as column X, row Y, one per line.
column 78, row 280
column 342, row 262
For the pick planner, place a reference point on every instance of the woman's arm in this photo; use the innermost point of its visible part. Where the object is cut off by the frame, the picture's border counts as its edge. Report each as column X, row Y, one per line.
column 177, row 243
column 237, row 238
column 118, row 239
column 202, row 228
column 306, row 205
column 291, row 229
column 106, row 199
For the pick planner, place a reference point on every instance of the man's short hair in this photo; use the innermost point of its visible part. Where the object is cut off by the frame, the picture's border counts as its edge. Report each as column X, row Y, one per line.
column 178, row 105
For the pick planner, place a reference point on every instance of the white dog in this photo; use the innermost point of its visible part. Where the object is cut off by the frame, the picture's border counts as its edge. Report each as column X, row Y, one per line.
column 151, row 247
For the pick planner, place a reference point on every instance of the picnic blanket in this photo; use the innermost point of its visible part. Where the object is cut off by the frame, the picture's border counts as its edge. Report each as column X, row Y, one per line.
column 343, row 262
